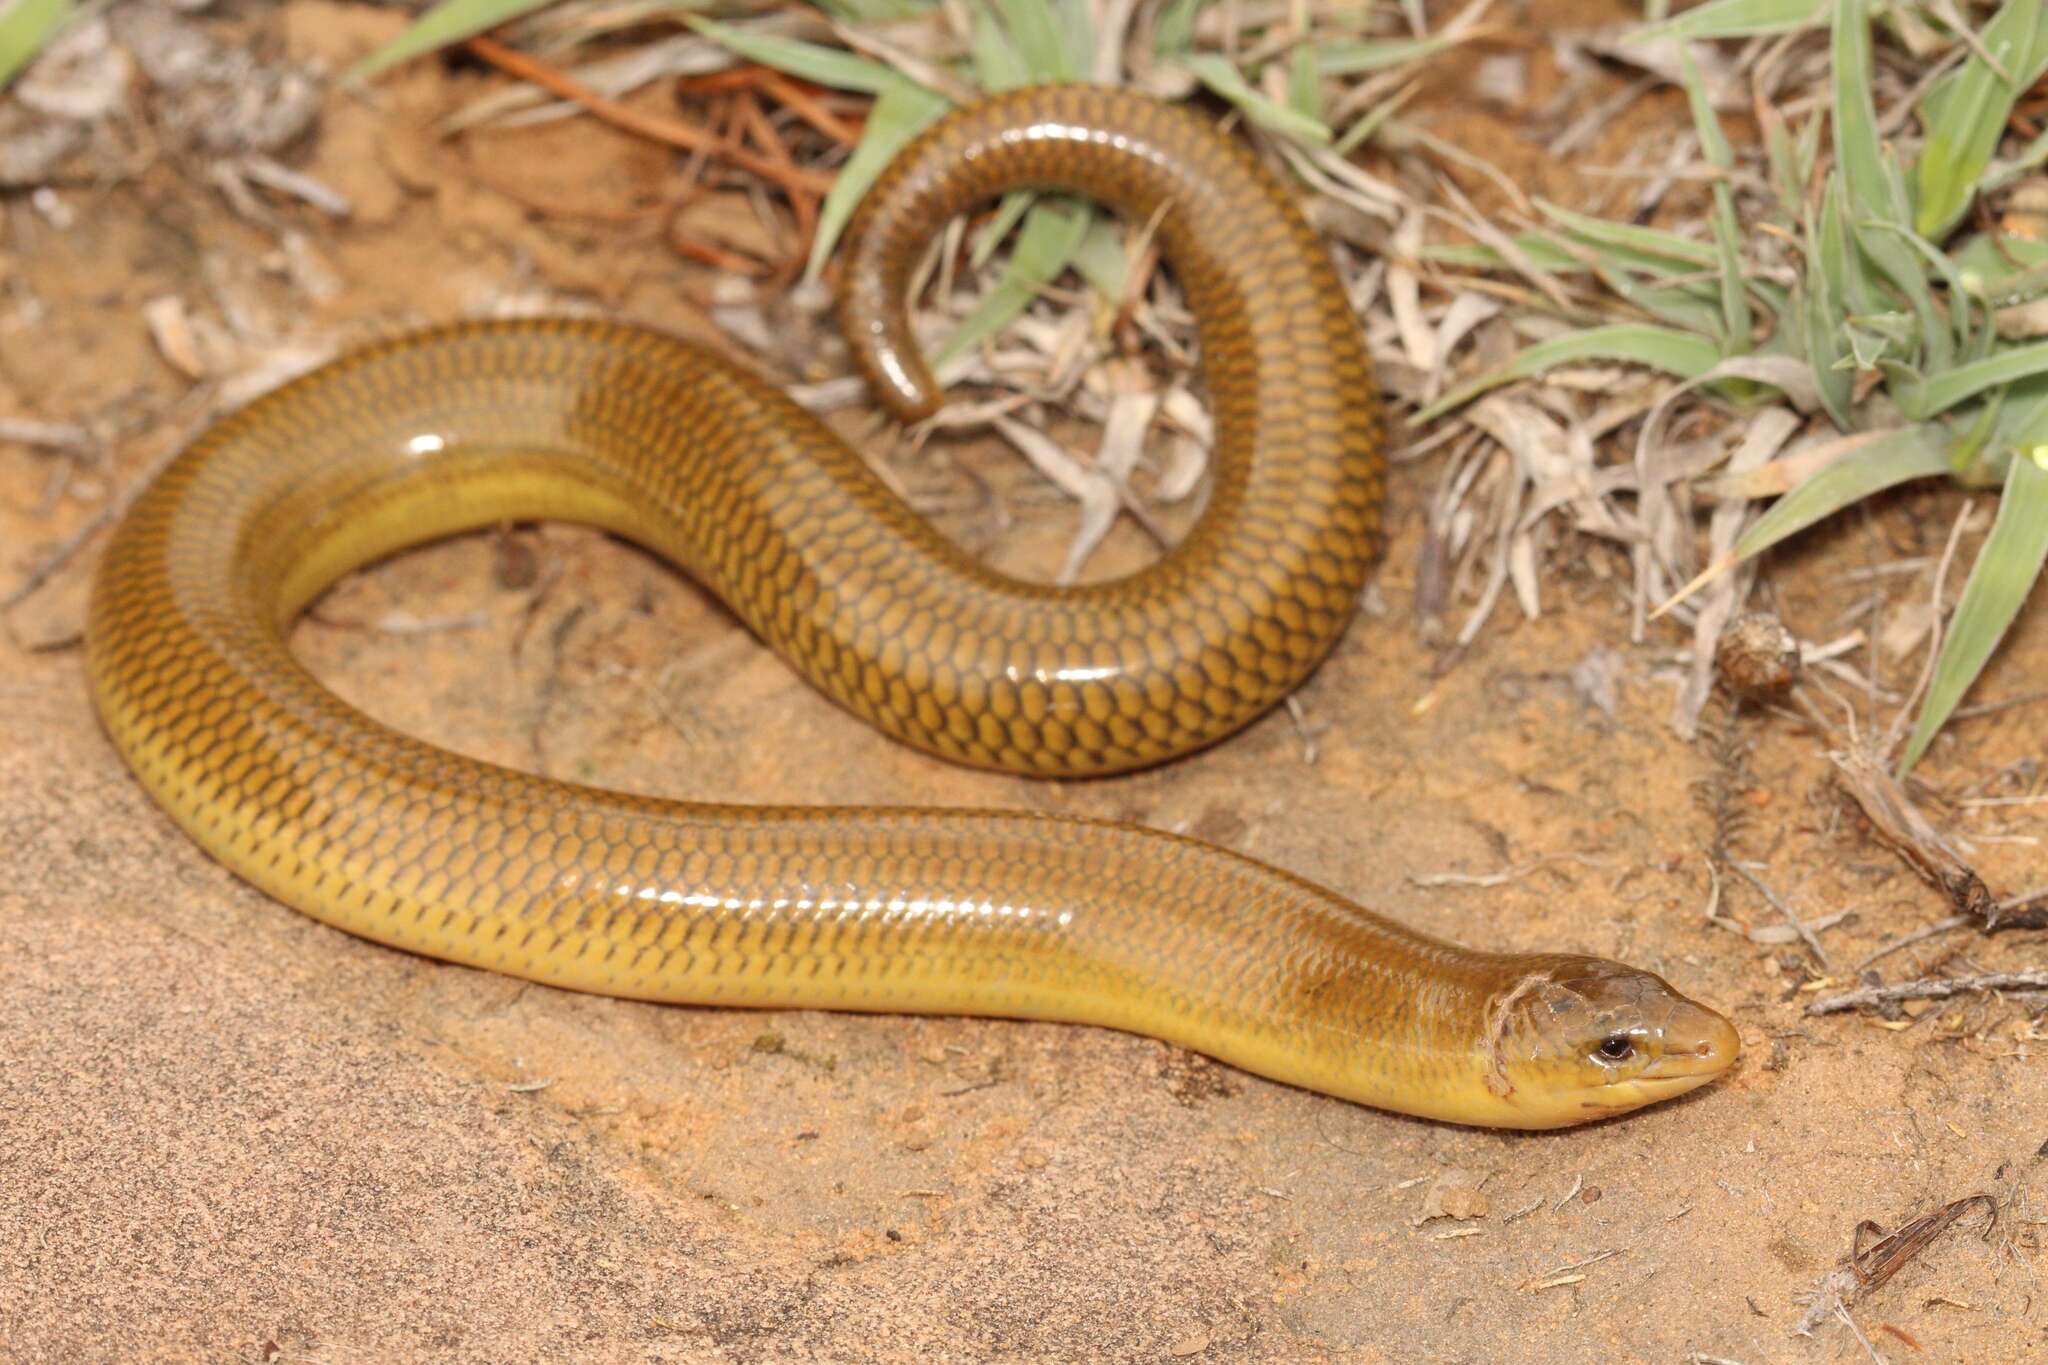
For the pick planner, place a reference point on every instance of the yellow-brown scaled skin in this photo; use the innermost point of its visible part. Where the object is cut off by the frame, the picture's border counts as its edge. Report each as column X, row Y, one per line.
column 866, row 909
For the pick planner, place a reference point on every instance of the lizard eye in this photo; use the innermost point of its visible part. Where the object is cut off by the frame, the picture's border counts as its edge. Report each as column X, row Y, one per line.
column 1617, row 1048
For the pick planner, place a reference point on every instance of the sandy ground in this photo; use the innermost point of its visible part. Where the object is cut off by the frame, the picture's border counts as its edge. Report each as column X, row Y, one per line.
column 229, row 1133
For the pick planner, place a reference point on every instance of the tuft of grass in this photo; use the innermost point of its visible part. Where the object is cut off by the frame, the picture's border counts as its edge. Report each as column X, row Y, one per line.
column 1310, row 83
column 1012, row 43
column 1879, row 314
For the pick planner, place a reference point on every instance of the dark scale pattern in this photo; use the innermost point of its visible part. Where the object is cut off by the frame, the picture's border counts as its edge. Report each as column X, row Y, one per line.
column 1010, row 914
column 1114, row 677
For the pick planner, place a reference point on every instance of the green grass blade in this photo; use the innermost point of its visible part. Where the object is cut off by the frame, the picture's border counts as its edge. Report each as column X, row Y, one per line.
column 2016, row 288
column 1777, row 300
column 1351, row 59
column 1809, row 153
column 1223, row 80
column 1077, row 22
column 1966, row 451
column 1659, row 348
column 1051, row 234
column 1305, row 84
column 1728, row 238
column 1683, row 307
column 1617, row 253
column 1870, row 178
column 998, row 227
column 1174, row 33
column 1820, row 311
column 1102, row 260
column 1961, row 305
column 2005, row 573
column 1792, row 158
column 875, row 11
column 2035, row 153
column 1993, row 260
column 448, row 22
column 811, row 61
column 998, row 65
column 2022, row 416
column 1950, row 387
column 1737, row 19
column 1966, row 112
column 900, row 112
column 1853, row 289
column 1035, row 29
column 1674, row 294
column 1369, row 122
column 1781, row 154
column 1650, row 248
column 1935, row 332
column 1915, row 452
column 26, row 30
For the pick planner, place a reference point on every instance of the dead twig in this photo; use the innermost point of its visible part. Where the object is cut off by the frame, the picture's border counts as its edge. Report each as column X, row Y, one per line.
column 1935, row 988
column 1934, row 930
column 1992, row 707
column 2028, row 910
column 802, row 98
column 69, row 437
column 117, row 507
column 1900, row 823
column 671, row 131
column 1799, row 926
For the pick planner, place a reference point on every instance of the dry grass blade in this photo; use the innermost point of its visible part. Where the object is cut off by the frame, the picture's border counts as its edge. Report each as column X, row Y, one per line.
column 1264, row 59
column 1092, row 488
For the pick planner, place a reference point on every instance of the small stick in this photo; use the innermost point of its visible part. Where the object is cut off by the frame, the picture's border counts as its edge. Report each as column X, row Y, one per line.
column 1799, row 926
column 117, row 508
column 718, row 257
column 1933, row 930
column 762, row 130
column 1988, row 707
column 2028, row 910
column 801, row 97
column 1948, row 554
column 1932, row 989
column 1842, row 1312
column 671, row 131
column 65, row 436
